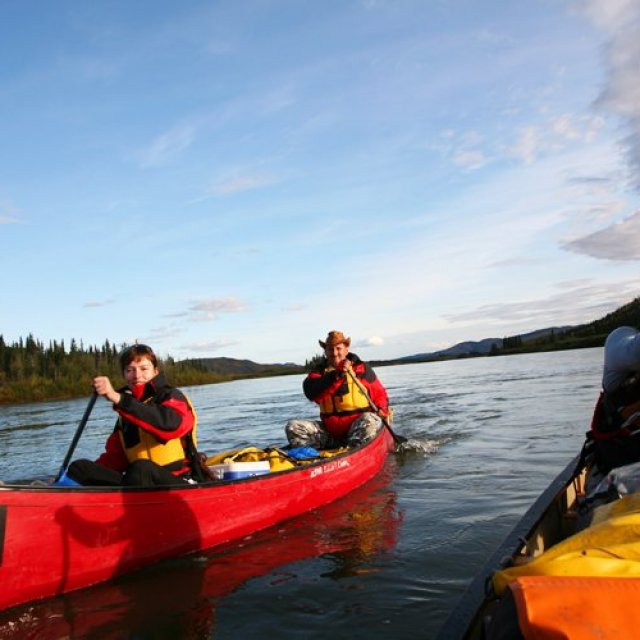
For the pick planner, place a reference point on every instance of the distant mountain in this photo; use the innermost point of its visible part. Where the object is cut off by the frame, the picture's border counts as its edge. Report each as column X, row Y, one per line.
column 461, row 348
column 480, row 347
column 245, row 368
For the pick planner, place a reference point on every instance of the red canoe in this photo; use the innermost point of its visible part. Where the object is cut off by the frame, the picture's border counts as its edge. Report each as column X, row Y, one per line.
column 57, row 539
column 187, row 594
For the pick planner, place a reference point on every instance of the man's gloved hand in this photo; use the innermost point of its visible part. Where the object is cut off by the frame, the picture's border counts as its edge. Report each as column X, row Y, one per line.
column 345, row 366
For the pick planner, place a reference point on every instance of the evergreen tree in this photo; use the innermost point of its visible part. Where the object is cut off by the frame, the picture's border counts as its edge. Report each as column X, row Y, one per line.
column 30, row 372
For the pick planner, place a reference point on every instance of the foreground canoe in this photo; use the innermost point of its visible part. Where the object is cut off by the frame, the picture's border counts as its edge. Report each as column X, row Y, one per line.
column 58, row 539
column 551, row 519
column 569, row 569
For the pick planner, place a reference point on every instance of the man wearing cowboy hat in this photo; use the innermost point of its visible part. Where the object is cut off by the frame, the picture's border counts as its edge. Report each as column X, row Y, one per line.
column 346, row 414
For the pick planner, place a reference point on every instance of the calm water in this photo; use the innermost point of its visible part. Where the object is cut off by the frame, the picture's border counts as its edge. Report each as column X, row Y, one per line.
column 390, row 560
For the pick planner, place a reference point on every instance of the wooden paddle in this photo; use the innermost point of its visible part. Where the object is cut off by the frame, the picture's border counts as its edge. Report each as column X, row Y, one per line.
column 77, row 435
column 396, row 438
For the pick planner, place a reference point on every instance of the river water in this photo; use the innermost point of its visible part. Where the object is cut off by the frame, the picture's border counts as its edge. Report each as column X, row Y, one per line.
column 389, row 561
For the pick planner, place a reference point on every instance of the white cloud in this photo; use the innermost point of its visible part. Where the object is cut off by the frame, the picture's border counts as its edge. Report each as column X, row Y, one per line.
column 168, row 145
column 240, row 183
column 219, row 304
column 372, row 341
column 619, row 241
column 470, row 159
column 620, row 21
column 210, row 309
column 8, row 213
column 162, row 333
column 209, row 345
column 564, row 127
column 527, row 144
column 555, row 134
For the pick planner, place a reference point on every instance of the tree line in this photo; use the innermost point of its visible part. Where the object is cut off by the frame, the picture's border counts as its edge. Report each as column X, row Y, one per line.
column 590, row 334
column 31, row 371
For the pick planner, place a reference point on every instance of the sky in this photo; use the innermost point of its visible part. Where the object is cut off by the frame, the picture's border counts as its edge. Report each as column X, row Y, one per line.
column 223, row 178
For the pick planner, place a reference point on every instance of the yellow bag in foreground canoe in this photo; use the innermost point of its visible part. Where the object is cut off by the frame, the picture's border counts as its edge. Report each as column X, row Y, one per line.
column 278, row 459
column 610, row 548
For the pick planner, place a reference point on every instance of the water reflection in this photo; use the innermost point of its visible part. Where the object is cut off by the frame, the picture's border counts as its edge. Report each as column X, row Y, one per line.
column 122, row 531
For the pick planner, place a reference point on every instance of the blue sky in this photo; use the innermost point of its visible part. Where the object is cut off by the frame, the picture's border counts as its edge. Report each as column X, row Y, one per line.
column 238, row 178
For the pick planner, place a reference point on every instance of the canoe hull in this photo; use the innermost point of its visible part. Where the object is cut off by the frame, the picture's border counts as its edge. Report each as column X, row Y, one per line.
column 54, row 540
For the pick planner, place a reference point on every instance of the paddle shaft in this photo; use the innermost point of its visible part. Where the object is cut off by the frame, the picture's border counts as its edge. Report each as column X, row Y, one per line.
column 397, row 439
column 78, row 433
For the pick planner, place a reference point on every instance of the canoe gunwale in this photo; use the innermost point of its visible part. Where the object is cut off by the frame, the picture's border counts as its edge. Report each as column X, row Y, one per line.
column 470, row 607
column 207, row 484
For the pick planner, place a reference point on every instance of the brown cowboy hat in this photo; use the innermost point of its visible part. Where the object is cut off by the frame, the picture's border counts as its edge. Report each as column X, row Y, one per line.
column 334, row 338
